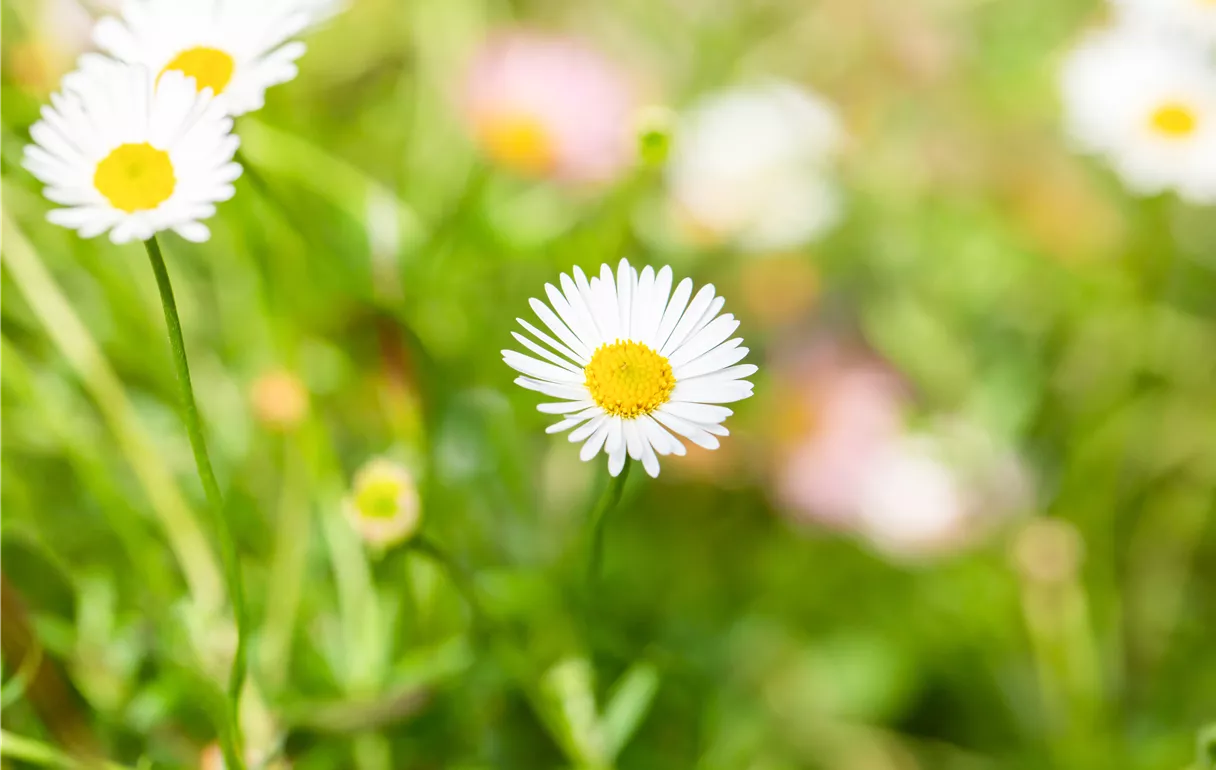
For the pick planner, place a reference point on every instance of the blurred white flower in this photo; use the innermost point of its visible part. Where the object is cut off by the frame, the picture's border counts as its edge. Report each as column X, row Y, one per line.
column 237, row 48
column 1147, row 105
column 384, row 506
column 130, row 153
column 550, row 106
column 636, row 362
column 751, row 166
column 1183, row 18
column 936, row 492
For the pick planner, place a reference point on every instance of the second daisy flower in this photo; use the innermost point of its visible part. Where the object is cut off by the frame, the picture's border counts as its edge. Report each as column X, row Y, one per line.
column 633, row 363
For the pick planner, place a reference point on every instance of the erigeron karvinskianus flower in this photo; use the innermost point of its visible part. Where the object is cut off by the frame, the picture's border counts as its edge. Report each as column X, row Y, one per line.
column 1146, row 105
column 549, row 106
column 634, row 363
column 237, row 48
column 752, row 167
column 384, row 506
column 125, row 151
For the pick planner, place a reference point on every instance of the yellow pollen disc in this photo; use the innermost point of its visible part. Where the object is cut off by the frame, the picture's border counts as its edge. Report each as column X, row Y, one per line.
column 210, row 67
column 380, row 498
column 135, row 177
column 518, row 141
column 1175, row 120
column 628, row 379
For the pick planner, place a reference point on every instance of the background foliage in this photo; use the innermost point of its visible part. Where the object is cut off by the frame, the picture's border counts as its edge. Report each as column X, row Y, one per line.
column 372, row 252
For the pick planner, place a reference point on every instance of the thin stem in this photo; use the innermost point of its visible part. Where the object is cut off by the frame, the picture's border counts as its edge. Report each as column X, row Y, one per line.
column 608, row 500
column 461, row 577
column 39, row 754
column 228, row 556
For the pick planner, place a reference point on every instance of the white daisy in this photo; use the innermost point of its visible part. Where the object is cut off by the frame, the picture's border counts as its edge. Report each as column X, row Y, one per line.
column 633, row 362
column 1194, row 19
column 1148, row 106
column 237, row 48
column 751, row 166
column 133, row 154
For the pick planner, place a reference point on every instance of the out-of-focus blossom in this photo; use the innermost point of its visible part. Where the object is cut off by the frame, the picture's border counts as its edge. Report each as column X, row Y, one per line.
column 61, row 30
column 384, row 506
column 279, row 400
column 131, row 153
column 1185, row 19
column 1147, row 105
column 751, row 167
column 546, row 105
column 936, row 492
column 848, row 405
column 237, row 48
column 638, row 364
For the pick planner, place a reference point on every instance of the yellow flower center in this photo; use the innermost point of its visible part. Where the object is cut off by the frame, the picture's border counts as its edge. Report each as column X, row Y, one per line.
column 380, row 498
column 1175, row 120
column 210, row 67
column 628, row 379
column 518, row 141
column 135, row 177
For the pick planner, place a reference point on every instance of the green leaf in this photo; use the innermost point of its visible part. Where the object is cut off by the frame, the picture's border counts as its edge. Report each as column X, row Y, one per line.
column 628, row 703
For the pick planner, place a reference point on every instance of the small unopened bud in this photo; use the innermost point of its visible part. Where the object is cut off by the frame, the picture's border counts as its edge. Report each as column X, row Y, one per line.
column 655, row 127
column 279, row 400
column 384, row 507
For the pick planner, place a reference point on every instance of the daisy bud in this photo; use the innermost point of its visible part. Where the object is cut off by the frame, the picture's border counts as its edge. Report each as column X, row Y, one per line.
column 384, row 506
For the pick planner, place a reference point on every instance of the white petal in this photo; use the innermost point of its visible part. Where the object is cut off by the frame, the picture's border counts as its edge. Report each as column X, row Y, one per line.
column 649, row 461
column 539, row 369
column 672, row 313
column 591, row 427
column 626, row 284
column 700, row 303
column 564, row 334
column 545, row 354
column 703, row 413
column 719, row 358
column 714, row 334
column 559, row 347
column 565, row 407
column 694, row 433
column 592, row 447
column 553, row 389
column 633, row 439
column 713, row 393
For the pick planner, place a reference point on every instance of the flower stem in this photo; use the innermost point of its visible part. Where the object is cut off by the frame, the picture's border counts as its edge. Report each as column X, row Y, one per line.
column 228, row 555
column 608, row 500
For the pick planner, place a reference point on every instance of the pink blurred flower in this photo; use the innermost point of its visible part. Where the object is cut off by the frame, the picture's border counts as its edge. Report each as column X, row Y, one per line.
column 855, row 403
column 546, row 105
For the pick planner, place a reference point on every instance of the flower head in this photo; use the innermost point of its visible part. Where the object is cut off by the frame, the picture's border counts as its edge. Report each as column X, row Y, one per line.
column 549, row 106
column 133, row 154
column 750, row 166
column 384, row 506
column 633, row 362
column 237, row 48
column 1148, row 107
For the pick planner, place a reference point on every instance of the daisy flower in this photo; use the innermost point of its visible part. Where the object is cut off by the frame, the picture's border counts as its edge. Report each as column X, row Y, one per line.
column 126, row 152
column 384, row 506
column 548, row 106
column 751, row 166
column 633, row 363
column 1148, row 107
column 237, row 48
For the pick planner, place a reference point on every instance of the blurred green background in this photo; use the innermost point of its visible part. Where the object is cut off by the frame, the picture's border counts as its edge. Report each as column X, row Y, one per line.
column 371, row 252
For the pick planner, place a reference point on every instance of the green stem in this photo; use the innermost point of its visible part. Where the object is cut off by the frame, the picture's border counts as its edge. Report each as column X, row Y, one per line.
column 39, row 754
column 608, row 500
column 228, row 555
column 460, row 577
